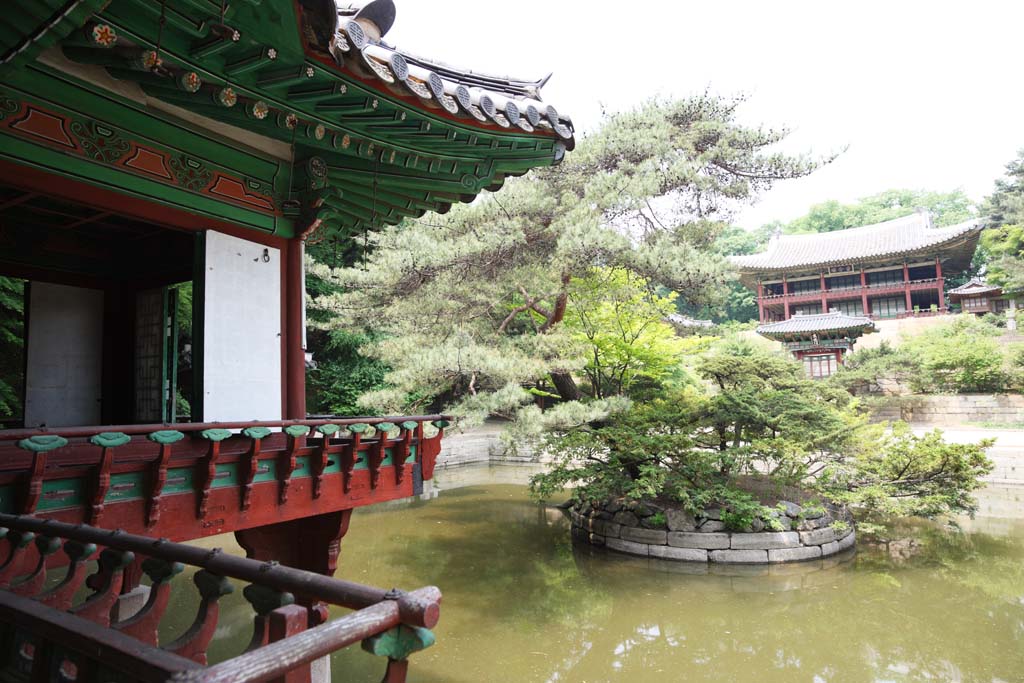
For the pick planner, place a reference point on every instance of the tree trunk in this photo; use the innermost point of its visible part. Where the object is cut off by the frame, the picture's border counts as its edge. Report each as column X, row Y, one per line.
column 566, row 387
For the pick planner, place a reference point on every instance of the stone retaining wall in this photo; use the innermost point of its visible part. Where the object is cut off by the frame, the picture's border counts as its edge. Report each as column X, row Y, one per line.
column 649, row 530
column 961, row 408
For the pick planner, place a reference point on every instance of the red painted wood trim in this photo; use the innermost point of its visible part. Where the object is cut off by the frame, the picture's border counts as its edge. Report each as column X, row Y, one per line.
column 760, row 302
column 785, row 300
column 49, row 184
column 295, row 356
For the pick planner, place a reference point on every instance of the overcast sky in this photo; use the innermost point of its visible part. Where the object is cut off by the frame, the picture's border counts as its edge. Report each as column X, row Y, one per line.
column 924, row 94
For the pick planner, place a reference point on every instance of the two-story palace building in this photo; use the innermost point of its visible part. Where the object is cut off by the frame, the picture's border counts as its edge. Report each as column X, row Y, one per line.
column 888, row 270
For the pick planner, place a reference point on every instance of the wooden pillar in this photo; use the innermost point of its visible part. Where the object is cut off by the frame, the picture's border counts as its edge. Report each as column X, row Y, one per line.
column 785, row 298
column 824, row 299
column 941, row 283
column 906, row 286
column 311, row 543
column 864, row 291
column 760, row 302
column 295, row 355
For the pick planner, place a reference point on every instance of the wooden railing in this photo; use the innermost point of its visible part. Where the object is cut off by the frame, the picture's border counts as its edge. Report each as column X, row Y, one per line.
column 184, row 481
column 874, row 288
column 52, row 632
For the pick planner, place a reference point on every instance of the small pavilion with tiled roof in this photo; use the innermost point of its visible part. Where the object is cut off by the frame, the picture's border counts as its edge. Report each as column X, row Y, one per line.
column 886, row 270
column 979, row 297
column 819, row 341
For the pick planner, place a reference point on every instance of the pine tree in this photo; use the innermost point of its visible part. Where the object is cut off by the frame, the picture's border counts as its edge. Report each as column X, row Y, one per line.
column 470, row 306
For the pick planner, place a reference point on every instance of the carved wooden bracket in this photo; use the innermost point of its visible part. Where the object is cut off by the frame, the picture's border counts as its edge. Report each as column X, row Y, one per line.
column 286, row 463
column 209, row 472
column 321, row 458
column 257, row 434
column 39, row 446
column 158, row 471
column 107, row 441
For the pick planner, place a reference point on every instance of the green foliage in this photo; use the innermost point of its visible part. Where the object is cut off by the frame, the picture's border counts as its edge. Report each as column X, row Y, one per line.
column 947, row 208
column 904, row 474
column 657, row 520
column 620, row 323
column 962, row 356
column 12, row 319
column 1004, row 241
column 341, row 375
column 470, row 309
column 757, row 417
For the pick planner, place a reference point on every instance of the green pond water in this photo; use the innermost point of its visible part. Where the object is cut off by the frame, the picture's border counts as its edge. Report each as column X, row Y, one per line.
column 521, row 603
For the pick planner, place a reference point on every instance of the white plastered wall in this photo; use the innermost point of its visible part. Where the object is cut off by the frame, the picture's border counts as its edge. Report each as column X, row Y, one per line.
column 242, row 330
column 64, row 370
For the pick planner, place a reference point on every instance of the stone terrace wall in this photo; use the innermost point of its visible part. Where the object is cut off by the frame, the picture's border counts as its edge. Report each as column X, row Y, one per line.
column 628, row 528
column 962, row 408
column 479, row 445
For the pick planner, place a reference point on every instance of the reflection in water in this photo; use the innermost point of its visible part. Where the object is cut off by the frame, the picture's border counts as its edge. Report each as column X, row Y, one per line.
column 522, row 604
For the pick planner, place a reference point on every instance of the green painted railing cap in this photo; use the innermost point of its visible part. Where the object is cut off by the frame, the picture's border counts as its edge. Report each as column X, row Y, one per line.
column 386, row 427
column 77, row 551
column 212, row 585
column 358, row 428
column 109, row 439
column 441, row 424
column 215, row 434
column 296, row 430
column 399, row 642
column 257, row 432
column 410, row 424
column 115, row 559
column 41, row 443
column 48, row 545
column 328, row 430
column 265, row 599
column 161, row 570
column 166, row 436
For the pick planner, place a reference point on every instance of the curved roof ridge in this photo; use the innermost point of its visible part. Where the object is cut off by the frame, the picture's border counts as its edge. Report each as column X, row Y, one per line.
column 896, row 236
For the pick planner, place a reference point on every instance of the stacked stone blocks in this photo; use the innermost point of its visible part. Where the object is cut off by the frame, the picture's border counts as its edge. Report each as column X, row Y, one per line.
column 650, row 530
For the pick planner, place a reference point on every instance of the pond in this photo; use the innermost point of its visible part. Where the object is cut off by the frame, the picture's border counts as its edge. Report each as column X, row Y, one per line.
column 523, row 604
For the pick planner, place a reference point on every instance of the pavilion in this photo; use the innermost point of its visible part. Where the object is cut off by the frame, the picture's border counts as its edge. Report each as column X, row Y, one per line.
column 820, row 341
column 149, row 143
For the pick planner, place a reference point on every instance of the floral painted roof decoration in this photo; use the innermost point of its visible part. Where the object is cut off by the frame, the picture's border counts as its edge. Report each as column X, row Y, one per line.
column 372, row 134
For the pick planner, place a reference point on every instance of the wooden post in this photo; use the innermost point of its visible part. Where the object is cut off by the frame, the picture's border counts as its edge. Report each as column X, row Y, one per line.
column 864, row 291
column 824, row 298
column 760, row 302
column 941, row 283
column 295, row 355
column 785, row 298
column 906, row 287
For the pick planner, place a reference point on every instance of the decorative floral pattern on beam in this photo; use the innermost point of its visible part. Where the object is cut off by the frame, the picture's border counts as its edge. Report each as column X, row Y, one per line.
column 99, row 142
column 190, row 174
column 107, row 145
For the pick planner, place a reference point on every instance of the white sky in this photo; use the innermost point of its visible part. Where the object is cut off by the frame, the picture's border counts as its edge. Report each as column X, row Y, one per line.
column 926, row 94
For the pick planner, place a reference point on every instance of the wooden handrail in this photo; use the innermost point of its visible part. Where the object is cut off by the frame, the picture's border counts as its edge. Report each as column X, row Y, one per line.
column 421, row 608
column 88, row 637
column 142, row 429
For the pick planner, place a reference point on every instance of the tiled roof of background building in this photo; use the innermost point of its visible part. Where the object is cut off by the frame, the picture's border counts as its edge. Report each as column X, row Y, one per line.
column 820, row 323
column 900, row 236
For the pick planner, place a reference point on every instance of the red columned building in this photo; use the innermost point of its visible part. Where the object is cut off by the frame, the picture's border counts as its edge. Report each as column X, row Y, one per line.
column 888, row 270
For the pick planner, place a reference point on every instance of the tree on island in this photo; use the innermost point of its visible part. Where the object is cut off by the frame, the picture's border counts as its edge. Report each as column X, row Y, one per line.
column 471, row 306
column 757, row 431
